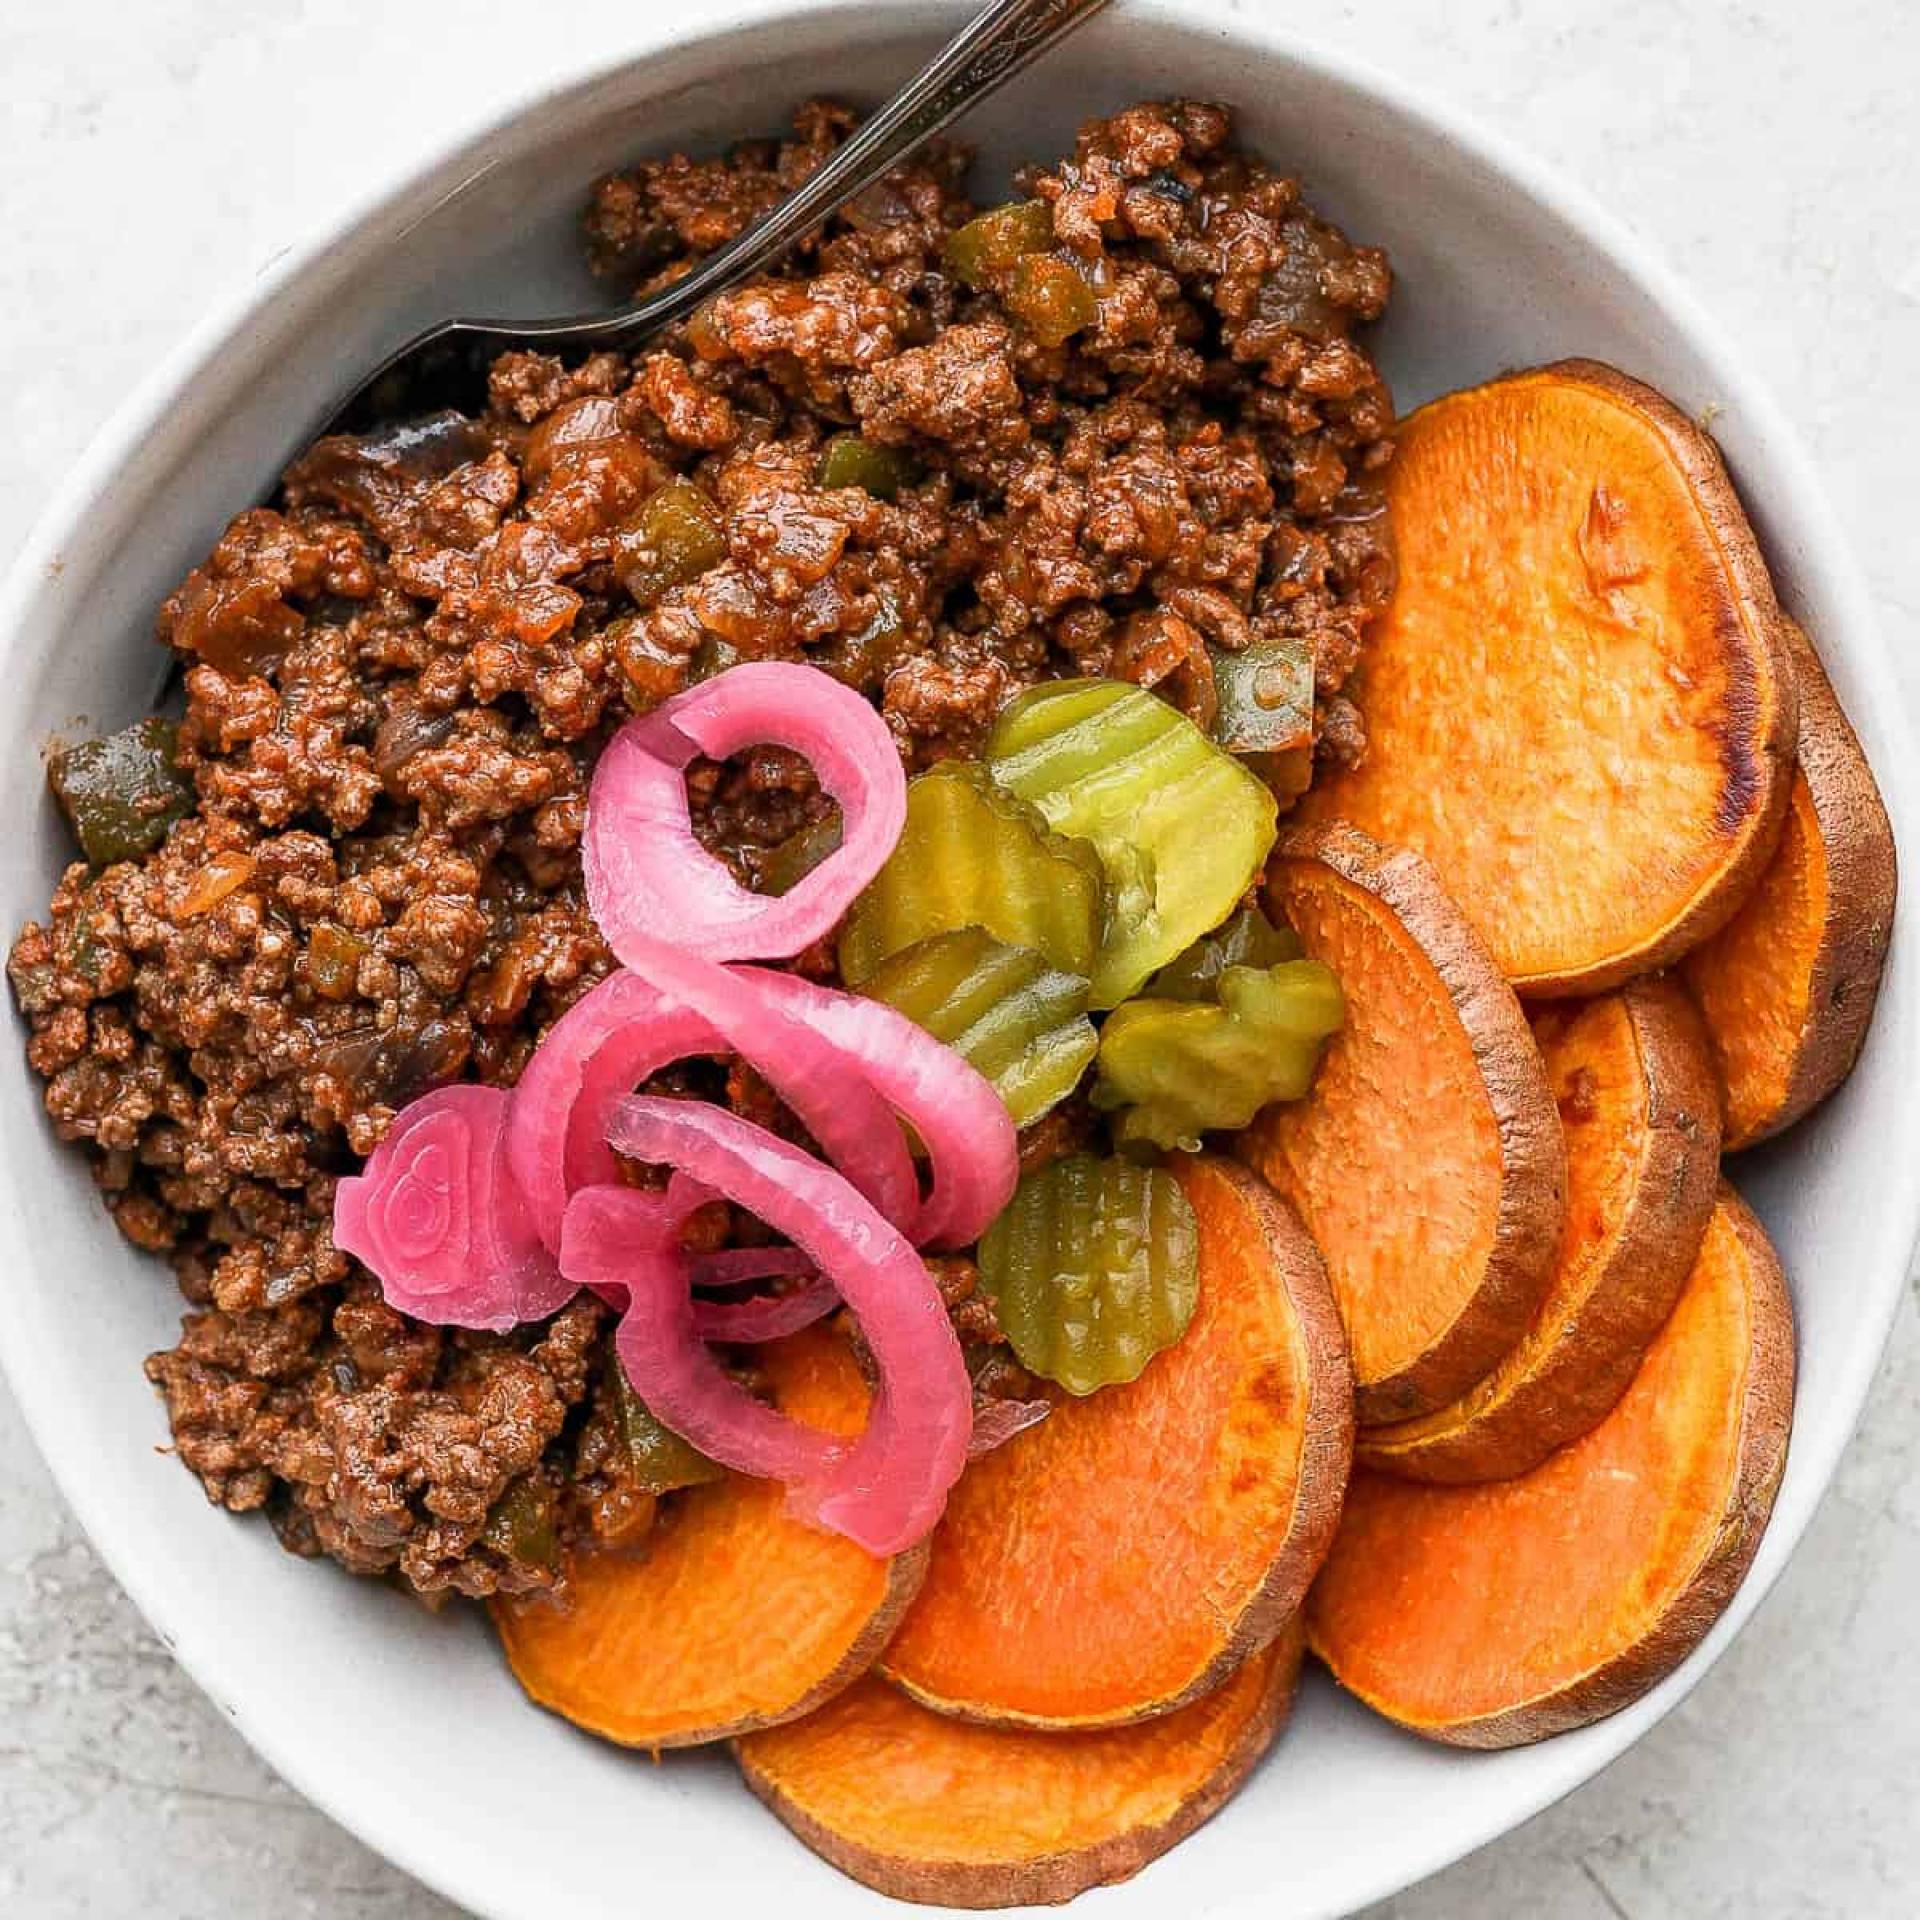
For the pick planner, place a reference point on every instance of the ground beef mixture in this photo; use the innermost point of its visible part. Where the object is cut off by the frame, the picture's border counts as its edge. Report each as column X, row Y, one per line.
column 398, row 674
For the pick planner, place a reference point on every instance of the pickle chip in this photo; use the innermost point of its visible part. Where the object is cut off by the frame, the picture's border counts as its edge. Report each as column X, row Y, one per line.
column 1176, row 1069
column 1249, row 939
column 1092, row 1269
column 1015, row 1020
column 973, row 855
column 1182, row 828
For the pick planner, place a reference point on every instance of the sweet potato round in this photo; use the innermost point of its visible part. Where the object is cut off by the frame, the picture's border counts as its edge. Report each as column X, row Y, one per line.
column 1640, row 1108
column 1427, row 1162
column 1578, row 705
column 1119, row 1559
column 927, row 1808
column 1492, row 1615
column 734, row 1615
column 1788, row 985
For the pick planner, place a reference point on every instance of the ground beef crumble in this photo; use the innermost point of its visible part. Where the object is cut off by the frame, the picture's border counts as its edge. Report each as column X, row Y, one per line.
column 398, row 674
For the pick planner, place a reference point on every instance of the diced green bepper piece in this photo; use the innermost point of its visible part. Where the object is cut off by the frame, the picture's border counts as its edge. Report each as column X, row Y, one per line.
column 662, row 1461
column 1181, row 827
column 1175, row 1069
column 781, row 867
column 521, row 1525
column 1248, row 939
column 992, row 242
column 1051, row 299
column 1093, row 1268
column 1266, row 710
column 1017, row 1021
column 849, row 461
column 674, row 538
column 122, row 793
column 972, row 855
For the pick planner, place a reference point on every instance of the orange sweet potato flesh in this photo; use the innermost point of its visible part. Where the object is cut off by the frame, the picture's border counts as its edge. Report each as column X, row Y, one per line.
column 1578, row 705
column 1123, row 1556
column 734, row 1615
column 924, row 1807
column 1640, row 1107
column 1492, row 1615
column 1788, row 985
column 1427, row 1163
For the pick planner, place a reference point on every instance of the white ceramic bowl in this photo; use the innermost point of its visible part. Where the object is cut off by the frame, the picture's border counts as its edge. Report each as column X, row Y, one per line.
column 405, row 1727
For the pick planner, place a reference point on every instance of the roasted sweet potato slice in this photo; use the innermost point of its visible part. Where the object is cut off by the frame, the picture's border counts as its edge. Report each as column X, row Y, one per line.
column 1491, row 1615
column 1578, row 704
column 925, row 1807
column 1427, row 1161
column 734, row 1615
column 1119, row 1559
column 1640, row 1108
column 1788, row 984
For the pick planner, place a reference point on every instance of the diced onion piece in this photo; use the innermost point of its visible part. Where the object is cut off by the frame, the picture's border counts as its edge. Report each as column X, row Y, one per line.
column 437, row 1216
column 888, row 1490
column 647, row 874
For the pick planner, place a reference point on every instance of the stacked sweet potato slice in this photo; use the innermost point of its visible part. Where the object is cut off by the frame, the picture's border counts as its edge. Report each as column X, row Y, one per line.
column 1609, row 894
column 1108, row 1624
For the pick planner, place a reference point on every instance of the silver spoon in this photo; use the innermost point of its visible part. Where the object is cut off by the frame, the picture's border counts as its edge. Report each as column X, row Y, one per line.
column 446, row 365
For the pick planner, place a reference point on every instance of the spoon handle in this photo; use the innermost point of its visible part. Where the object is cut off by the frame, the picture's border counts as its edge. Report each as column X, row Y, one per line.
column 1001, row 39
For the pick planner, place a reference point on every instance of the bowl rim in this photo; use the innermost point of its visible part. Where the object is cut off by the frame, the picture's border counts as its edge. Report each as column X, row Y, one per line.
column 463, row 152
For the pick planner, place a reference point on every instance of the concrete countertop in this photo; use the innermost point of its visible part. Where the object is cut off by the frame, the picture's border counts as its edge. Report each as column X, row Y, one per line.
column 157, row 152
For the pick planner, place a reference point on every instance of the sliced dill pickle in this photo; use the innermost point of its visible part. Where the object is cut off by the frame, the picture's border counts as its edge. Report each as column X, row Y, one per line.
column 1175, row 1069
column 1265, row 713
column 1017, row 1021
column 1249, row 939
column 972, row 855
column 1181, row 826
column 992, row 242
column 662, row 1461
column 123, row 792
column 1092, row 1269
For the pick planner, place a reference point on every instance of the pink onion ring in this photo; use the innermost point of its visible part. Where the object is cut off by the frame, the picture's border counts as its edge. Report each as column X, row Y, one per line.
column 735, row 1266
column 616, row 1242
column 437, row 1216
column 629, row 1027
column 971, row 1141
column 646, row 872
column 603, row 1046
column 767, row 1316
column 783, row 1038
column 892, row 1484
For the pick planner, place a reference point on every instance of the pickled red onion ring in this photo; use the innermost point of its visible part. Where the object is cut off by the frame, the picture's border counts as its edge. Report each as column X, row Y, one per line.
column 439, row 1219
column 603, row 1046
column 648, row 875
column 768, row 1316
column 735, row 1266
column 785, row 1038
column 971, row 1141
column 630, row 1026
column 891, row 1485
column 620, row 1241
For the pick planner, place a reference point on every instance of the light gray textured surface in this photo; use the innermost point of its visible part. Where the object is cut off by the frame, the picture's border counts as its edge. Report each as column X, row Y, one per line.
column 156, row 154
